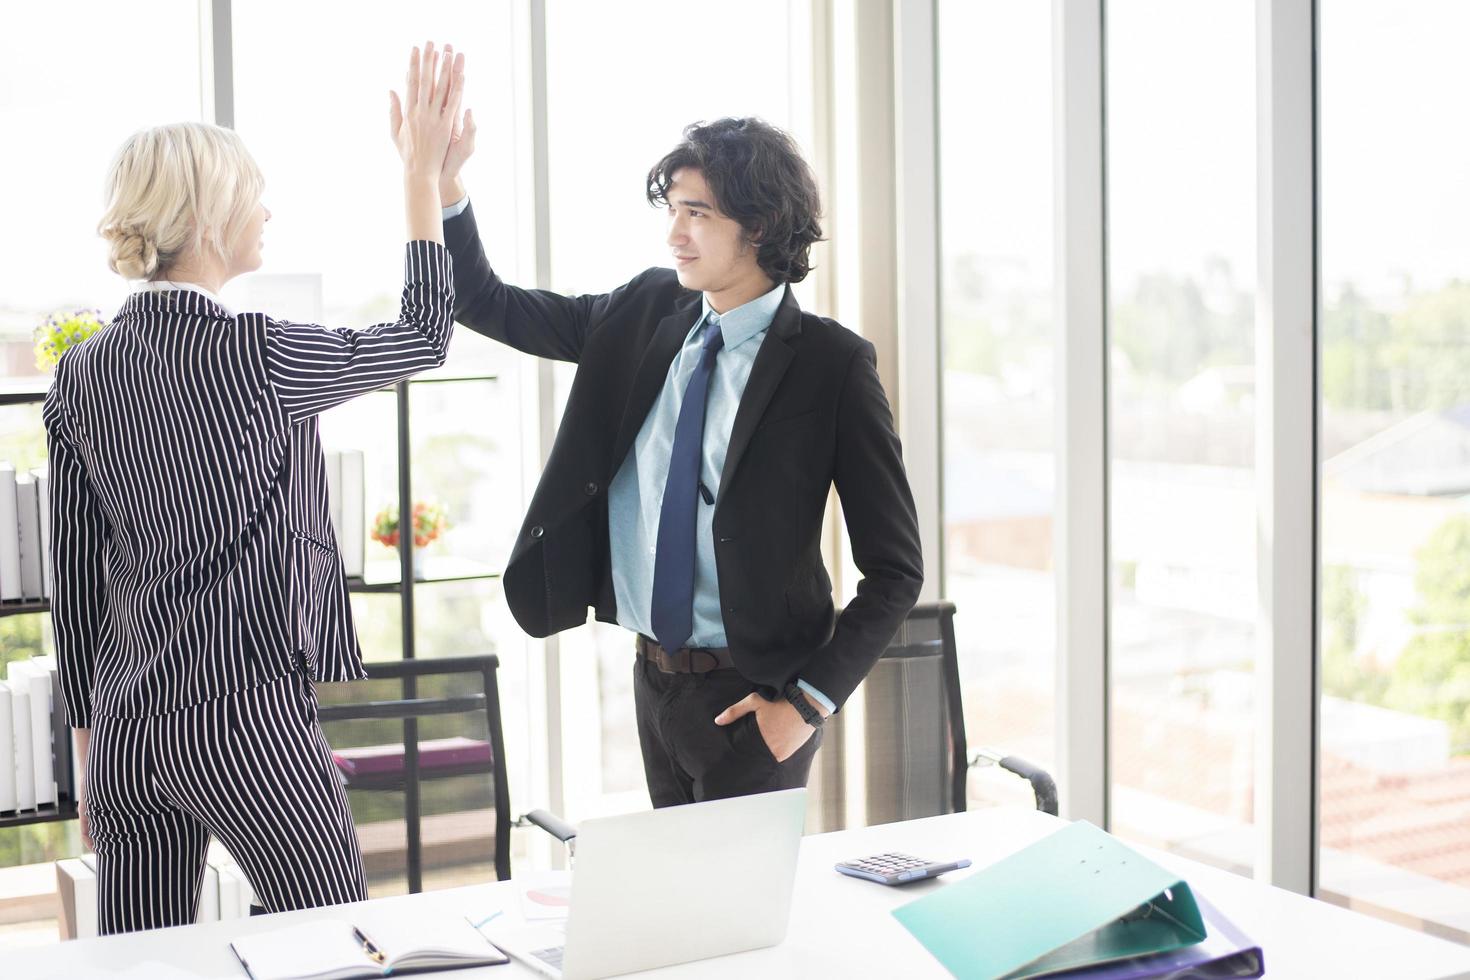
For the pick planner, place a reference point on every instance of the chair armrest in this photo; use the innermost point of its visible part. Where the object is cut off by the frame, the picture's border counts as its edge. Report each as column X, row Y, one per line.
column 553, row 825
column 1043, row 787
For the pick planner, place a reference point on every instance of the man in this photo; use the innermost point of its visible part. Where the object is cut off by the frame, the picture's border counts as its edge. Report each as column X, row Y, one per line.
column 685, row 491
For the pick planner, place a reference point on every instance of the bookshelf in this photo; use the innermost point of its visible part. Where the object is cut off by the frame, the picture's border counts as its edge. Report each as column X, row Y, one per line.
column 380, row 577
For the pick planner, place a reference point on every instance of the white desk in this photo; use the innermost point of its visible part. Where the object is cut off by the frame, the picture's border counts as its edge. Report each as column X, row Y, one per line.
column 841, row 927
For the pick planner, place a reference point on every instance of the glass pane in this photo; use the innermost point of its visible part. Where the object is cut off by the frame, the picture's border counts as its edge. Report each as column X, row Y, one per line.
column 68, row 110
column 995, row 161
column 65, row 115
column 1395, row 387
column 603, row 139
column 1181, row 240
column 334, row 245
column 466, row 454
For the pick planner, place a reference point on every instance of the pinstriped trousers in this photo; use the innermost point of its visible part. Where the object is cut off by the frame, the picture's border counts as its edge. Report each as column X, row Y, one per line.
column 253, row 769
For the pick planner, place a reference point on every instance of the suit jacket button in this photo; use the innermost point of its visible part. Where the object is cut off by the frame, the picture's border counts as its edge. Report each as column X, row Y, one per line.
column 590, row 489
column 538, row 531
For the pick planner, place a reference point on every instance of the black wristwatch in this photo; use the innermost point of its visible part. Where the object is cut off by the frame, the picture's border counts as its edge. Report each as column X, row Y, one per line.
column 805, row 708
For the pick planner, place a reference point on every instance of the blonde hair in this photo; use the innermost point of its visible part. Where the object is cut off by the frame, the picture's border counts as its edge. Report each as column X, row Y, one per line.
column 172, row 188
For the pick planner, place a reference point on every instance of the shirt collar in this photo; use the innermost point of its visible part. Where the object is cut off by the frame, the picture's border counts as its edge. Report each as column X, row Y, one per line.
column 746, row 321
column 167, row 285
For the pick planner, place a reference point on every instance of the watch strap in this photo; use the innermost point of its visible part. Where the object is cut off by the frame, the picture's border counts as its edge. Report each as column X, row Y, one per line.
column 805, row 708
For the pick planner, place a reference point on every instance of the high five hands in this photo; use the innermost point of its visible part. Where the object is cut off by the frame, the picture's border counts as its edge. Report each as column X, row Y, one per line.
column 425, row 125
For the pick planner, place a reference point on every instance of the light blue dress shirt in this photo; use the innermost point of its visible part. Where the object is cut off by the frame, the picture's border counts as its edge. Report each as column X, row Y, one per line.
column 636, row 495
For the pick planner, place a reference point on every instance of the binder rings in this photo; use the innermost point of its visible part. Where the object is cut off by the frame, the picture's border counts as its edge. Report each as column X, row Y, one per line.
column 1076, row 898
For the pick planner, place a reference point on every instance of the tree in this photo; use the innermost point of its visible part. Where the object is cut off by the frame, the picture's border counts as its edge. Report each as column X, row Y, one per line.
column 1355, row 334
column 1428, row 360
column 1343, row 675
column 1432, row 676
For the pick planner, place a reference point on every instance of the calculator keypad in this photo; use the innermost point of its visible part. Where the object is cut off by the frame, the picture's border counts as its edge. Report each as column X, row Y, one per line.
column 888, row 864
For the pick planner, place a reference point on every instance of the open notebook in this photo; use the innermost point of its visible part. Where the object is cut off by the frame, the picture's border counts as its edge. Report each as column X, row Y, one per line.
column 335, row 949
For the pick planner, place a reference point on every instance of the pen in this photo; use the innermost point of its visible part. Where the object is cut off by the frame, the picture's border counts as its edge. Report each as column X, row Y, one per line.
column 486, row 919
column 373, row 952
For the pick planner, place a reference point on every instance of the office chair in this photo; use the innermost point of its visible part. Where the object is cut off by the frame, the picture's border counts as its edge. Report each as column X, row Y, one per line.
column 917, row 753
column 402, row 767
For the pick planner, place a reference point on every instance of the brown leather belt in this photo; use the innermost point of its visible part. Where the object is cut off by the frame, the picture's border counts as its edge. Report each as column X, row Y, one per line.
column 685, row 660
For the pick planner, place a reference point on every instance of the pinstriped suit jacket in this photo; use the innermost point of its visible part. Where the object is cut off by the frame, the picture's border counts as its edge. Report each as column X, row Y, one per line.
column 192, row 547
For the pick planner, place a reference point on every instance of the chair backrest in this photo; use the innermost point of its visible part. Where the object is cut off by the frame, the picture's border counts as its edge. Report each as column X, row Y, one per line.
column 403, row 767
column 915, row 730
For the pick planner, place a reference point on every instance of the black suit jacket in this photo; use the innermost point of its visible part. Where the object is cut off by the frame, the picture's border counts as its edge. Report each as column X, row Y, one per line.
column 813, row 414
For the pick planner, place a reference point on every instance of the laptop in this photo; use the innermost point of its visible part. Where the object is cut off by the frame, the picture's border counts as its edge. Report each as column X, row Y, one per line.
column 670, row 886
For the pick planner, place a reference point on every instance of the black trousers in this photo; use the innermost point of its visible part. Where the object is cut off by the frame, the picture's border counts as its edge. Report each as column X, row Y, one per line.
column 687, row 758
column 250, row 768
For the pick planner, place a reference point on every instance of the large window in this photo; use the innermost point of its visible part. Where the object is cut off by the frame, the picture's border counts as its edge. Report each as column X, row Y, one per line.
column 997, row 328
column 1181, row 262
column 65, row 109
column 623, row 80
column 1395, row 453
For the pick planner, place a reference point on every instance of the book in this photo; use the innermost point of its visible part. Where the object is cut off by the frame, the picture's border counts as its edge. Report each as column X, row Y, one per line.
column 247, row 893
column 28, row 518
column 76, row 888
column 226, row 881
column 38, row 681
column 230, row 880
column 352, row 535
column 336, row 949
column 209, row 907
column 7, row 750
column 25, row 760
column 9, row 536
column 63, row 765
column 236, row 895
column 43, row 500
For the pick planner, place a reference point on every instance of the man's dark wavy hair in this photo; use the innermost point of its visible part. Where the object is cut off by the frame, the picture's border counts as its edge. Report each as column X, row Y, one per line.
column 758, row 178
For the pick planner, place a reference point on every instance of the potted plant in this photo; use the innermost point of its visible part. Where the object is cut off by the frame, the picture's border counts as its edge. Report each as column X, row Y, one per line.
column 429, row 522
column 60, row 332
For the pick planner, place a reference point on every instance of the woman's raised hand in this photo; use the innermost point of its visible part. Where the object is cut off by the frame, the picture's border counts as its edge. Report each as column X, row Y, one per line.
column 423, row 124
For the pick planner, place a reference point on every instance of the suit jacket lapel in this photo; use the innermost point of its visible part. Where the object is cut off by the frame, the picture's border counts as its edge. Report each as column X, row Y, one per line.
column 652, row 370
column 775, row 356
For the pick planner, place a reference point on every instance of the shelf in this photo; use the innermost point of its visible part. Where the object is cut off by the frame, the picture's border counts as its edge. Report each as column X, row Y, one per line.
column 394, row 781
column 28, row 391
column 448, row 379
column 51, row 813
column 432, row 380
column 382, row 580
column 15, row 607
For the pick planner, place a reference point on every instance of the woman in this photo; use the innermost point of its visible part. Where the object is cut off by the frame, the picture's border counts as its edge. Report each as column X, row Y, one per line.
column 198, row 589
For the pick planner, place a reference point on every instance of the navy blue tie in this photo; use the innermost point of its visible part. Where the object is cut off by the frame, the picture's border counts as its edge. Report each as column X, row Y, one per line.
column 672, row 611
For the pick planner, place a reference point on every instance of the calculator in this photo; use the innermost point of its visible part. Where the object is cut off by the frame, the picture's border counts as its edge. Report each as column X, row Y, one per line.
column 898, row 869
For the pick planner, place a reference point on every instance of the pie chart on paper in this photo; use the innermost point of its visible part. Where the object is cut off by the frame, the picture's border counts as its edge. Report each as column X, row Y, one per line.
column 550, row 896
column 547, row 896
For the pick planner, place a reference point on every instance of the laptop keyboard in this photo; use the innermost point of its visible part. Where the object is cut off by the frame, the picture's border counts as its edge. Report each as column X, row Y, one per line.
column 551, row 956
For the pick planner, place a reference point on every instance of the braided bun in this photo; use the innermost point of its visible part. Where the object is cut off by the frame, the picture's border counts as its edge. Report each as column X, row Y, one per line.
column 130, row 254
